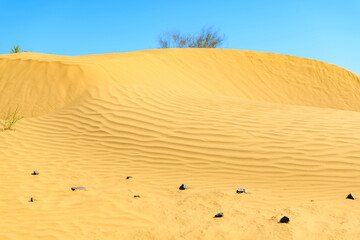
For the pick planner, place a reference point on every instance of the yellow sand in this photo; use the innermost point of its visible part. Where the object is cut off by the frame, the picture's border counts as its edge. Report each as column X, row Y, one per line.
column 285, row 128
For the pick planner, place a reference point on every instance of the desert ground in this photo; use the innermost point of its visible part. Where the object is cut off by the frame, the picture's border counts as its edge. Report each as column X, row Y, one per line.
column 286, row 129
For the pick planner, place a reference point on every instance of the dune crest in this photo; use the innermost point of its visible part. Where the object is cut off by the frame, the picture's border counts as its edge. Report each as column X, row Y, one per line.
column 215, row 120
column 44, row 83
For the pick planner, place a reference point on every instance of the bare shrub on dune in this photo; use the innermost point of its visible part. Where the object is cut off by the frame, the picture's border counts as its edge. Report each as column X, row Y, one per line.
column 207, row 38
column 9, row 119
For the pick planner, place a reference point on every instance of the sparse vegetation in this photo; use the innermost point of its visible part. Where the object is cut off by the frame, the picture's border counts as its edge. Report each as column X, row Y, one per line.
column 16, row 49
column 8, row 120
column 207, row 38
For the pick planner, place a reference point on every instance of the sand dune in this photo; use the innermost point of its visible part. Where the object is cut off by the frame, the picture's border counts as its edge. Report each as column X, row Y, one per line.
column 285, row 128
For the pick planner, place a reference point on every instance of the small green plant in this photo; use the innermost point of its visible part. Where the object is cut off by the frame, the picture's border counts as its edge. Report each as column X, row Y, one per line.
column 16, row 49
column 9, row 119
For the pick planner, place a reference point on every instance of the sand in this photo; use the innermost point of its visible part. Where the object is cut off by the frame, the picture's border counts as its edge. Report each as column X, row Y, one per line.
column 286, row 129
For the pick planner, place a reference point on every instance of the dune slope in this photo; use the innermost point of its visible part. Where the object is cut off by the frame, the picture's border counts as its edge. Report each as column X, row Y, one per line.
column 285, row 128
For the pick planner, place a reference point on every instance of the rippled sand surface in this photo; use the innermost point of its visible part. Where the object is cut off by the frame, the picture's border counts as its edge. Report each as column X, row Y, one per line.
column 286, row 129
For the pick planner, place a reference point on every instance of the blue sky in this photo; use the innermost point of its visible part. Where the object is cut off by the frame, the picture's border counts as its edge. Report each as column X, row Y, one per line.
column 318, row 29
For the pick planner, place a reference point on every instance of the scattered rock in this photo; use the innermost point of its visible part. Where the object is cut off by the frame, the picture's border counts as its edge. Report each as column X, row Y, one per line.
column 35, row 173
column 350, row 196
column 240, row 190
column 128, row 177
column 136, row 195
column 183, row 187
column 32, row 199
column 78, row 188
column 219, row 215
column 284, row 219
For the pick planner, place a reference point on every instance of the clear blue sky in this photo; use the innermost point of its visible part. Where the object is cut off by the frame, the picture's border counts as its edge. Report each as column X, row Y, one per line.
column 326, row 30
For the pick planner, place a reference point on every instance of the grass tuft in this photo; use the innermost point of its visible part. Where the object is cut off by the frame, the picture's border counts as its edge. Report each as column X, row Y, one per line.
column 16, row 49
column 8, row 120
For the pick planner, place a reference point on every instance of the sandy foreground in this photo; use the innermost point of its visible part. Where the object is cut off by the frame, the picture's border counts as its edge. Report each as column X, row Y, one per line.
column 285, row 128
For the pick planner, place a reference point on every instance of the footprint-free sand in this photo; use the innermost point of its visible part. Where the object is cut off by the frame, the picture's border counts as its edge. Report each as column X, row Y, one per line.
column 287, row 129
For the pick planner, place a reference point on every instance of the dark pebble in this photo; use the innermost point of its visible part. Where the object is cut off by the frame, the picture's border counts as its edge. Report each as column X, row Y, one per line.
column 284, row 219
column 350, row 196
column 219, row 215
column 128, row 177
column 78, row 188
column 240, row 190
column 35, row 173
column 136, row 195
column 32, row 199
column 183, row 187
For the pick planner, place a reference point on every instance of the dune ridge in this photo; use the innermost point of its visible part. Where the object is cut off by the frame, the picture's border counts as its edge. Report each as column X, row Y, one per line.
column 247, row 75
column 284, row 128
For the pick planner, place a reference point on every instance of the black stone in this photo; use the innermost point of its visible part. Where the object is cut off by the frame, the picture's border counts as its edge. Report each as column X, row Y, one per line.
column 128, row 177
column 32, row 199
column 284, row 219
column 183, row 187
column 136, row 195
column 78, row 188
column 219, row 215
column 240, row 190
column 350, row 196
column 35, row 173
